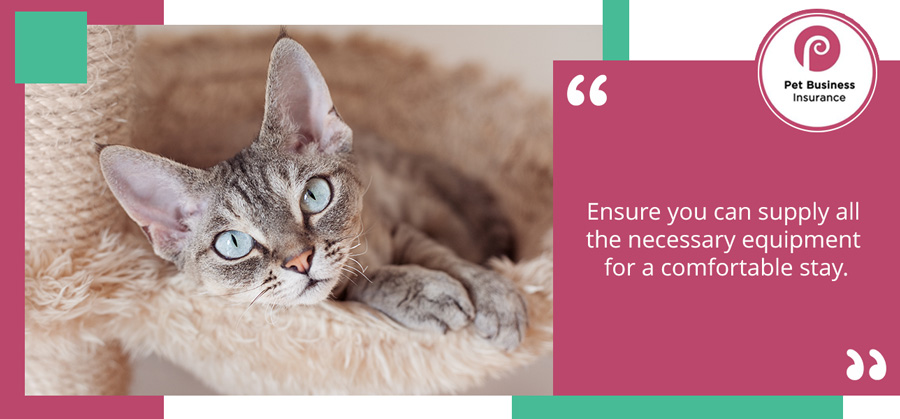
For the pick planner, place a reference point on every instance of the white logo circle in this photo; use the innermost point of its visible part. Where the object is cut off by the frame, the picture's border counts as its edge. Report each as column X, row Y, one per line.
column 817, row 70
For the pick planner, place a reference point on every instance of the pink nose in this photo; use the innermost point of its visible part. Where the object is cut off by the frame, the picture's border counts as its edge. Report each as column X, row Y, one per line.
column 301, row 262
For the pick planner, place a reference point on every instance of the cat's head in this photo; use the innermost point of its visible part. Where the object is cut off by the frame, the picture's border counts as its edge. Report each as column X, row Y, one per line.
column 278, row 221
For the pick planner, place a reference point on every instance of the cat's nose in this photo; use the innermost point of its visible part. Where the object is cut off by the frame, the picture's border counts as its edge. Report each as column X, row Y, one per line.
column 300, row 263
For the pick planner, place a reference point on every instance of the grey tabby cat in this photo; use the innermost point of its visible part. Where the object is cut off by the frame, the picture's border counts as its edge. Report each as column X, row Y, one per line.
column 283, row 221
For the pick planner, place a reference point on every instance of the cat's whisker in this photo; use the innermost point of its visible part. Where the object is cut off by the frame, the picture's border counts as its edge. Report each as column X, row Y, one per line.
column 237, row 292
column 364, row 251
column 356, row 271
column 347, row 277
column 351, row 273
column 371, row 178
column 359, row 264
column 270, row 315
column 352, row 236
column 259, row 295
column 251, row 303
column 362, row 232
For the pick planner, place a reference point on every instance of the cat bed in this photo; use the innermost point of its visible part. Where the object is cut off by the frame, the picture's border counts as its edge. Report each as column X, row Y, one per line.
column 96, row 295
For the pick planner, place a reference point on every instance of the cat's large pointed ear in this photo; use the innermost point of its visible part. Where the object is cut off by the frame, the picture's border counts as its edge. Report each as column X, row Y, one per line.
column 157, row 193
column 299, row 112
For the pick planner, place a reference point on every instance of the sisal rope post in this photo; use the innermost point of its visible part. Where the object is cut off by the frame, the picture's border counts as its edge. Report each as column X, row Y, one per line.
column 66, row 199
column 68, row 209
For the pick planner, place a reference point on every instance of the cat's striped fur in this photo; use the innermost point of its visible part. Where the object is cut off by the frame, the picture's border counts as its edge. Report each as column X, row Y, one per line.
column 402, row 233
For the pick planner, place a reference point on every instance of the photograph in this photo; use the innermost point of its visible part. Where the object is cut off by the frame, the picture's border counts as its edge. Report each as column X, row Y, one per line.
column 295, row 210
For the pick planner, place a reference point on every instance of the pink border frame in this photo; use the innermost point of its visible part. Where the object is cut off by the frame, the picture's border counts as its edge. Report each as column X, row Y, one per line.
column 12, row 162
column 873, row 54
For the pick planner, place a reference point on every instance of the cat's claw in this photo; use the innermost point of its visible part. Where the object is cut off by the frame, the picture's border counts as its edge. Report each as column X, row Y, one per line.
column 501, row 314
column 429, row 300
column 418, row 298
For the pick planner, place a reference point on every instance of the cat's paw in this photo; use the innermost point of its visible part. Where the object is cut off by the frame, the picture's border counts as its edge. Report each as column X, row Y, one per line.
column 501, row 315
column 418, row 298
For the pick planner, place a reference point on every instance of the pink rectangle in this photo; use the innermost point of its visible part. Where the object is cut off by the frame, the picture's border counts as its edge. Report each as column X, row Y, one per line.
column 699, row 134
column 101, row 12
column 19, row 405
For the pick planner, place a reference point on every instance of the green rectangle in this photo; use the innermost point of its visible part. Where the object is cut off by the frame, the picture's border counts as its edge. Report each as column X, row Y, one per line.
column 669, row 407
column 51, row 47
column 615, row 30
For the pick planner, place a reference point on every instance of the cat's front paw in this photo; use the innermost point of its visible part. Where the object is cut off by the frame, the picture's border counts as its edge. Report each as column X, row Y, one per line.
column 418, row 298
column 501, row 315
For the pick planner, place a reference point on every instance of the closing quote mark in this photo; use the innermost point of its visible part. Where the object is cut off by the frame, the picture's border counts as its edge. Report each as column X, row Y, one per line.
column 858, row 368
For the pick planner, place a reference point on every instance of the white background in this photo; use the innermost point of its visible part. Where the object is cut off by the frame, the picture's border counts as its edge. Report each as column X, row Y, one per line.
column 357, row 407
column 730, row 30
column 871, row 407
column 382, row 12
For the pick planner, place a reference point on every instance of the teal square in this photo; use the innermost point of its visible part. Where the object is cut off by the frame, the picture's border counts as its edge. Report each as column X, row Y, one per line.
column 51, row 47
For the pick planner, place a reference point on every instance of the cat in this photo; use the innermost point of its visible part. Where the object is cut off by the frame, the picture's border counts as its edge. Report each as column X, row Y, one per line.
column 304, row 213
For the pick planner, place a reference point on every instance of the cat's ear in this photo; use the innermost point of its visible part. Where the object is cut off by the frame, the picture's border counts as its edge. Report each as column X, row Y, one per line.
column 299, row 112
column 157, row 193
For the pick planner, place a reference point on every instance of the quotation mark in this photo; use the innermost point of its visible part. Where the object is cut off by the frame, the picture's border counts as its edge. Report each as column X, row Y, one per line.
column 576, row 98
column 876, row 372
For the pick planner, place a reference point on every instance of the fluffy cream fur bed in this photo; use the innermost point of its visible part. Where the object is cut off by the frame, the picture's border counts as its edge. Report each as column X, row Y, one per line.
column 95, row 300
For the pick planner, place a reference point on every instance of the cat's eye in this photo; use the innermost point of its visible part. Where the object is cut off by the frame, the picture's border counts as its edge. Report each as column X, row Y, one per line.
column 233, row 244
column 316, row 196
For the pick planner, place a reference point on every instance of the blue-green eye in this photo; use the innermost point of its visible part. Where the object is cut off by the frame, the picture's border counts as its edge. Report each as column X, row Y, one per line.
column 316, row 196
column 233, row 244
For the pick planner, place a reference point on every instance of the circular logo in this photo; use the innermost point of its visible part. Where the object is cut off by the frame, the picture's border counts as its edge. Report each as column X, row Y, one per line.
column 817, row 70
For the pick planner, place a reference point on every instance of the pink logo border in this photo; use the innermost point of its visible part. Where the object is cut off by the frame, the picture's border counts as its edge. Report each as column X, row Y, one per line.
column 873, row 54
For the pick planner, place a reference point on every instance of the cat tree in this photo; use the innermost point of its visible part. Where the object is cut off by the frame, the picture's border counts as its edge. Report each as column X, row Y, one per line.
column 95, row 295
